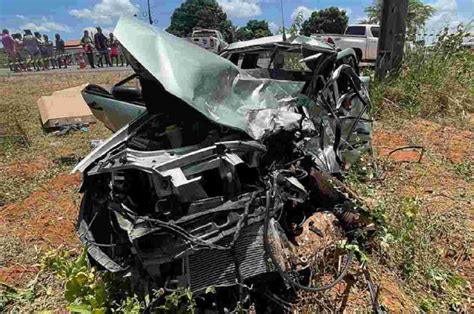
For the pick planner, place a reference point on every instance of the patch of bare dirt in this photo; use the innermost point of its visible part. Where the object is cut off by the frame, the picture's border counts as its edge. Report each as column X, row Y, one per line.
column 448, row 143
column 17, row 274
column 47, row 216
column 26, row 169
column 433, row 182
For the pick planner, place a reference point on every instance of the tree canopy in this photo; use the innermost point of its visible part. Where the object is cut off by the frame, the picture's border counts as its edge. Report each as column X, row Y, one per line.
column 418, row 14
column 253, row 29
column 199, row 13
column 331, row 20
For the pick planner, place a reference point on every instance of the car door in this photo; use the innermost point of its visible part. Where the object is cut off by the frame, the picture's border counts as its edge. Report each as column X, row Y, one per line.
column 372, row 42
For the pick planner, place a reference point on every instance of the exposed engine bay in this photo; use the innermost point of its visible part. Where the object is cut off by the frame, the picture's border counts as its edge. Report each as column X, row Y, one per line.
column 182, row 197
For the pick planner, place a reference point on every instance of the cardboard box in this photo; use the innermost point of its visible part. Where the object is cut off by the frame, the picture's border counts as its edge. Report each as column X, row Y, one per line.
column 64, row 107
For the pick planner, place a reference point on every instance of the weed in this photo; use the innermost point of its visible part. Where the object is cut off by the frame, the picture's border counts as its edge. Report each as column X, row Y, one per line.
column 434, row 81
column 11, row 295
column 180, row 300
column 85, row 289
column 464, row 170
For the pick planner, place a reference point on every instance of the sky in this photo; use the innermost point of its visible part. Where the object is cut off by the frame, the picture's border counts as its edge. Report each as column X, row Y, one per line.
column 71, row 17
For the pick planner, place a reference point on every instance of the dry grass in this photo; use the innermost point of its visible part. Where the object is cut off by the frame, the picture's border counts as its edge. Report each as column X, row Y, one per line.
column 25, row 166
column 38, row 199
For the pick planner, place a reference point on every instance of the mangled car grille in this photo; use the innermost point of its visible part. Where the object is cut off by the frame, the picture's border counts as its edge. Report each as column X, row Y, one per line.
column 211, row 201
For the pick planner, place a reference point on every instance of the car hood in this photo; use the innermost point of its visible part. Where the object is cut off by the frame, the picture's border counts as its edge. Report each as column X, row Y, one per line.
column 208, row 83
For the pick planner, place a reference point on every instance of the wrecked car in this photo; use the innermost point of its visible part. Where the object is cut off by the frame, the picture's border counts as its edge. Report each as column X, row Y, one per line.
column 213, row 183
column 283, row 58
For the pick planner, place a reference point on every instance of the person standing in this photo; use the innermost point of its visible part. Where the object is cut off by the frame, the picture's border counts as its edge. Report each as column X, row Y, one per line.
column 114, row 49
column 31, row 45
column 86, row 42
column 49, row 51
column 42, row 50
column 9, row 44
column 100, row 42
column 21, row 53
column 60, row 51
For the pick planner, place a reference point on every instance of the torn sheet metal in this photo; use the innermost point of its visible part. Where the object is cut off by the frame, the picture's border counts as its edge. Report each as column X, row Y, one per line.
column 210, row 84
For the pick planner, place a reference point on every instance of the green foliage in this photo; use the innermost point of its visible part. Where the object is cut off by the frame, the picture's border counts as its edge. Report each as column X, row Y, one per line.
column 432, row 81
column 85, row 290
column 464, row 170
column 10, row 295
column 88, row 292
column 129, row 305
column 180, row 300
column 295, row 27
column 199, row 13
column 253, row 29
column 331, row 20
column 412, row 241
column 418, row 14
column 409, row 245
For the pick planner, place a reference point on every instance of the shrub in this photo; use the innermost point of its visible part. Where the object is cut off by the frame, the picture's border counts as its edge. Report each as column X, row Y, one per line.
column 432, row 81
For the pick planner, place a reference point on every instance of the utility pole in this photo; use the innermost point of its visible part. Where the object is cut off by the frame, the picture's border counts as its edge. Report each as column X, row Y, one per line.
column 282, row 21
column 392, row 36
column 150, row 19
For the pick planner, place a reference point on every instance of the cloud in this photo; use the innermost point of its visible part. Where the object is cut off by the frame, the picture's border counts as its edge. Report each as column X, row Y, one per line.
column 348, row 10
column 45, row 25
column 304, row 10
column 21, row 17
column 240, row 8
column 274, row 28
column 106, row 11
column 446, row 14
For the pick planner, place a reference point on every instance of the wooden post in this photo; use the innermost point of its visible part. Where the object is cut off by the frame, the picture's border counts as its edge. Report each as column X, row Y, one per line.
column 392, row 36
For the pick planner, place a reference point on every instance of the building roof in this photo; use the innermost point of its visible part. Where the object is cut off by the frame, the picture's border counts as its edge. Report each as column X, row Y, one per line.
column 72, row 43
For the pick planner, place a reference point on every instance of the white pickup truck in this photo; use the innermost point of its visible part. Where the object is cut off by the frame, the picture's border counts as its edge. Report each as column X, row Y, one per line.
column 363, row 38
column 209, row 39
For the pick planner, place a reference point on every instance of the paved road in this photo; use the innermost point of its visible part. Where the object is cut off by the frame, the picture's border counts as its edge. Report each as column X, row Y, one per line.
column 70, row 69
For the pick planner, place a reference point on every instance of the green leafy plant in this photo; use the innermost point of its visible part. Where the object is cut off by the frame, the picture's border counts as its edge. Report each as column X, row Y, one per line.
column 10, row 294
column 85, row 290
column 180, row 300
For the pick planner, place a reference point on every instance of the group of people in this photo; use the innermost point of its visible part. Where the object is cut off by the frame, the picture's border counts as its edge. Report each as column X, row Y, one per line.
column 108, row 49
column 33, row 51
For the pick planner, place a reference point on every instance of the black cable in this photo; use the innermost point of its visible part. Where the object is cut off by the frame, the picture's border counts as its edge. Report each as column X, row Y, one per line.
column 285, row 276
column 409, row 147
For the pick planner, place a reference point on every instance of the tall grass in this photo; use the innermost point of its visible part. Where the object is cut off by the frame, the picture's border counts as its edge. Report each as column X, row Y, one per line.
column 433, row 81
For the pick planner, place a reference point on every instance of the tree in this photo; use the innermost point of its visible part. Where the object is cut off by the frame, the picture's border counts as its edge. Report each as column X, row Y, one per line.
column 418, row 14
column 199, row 13
column 331, row 20
column 253, row 29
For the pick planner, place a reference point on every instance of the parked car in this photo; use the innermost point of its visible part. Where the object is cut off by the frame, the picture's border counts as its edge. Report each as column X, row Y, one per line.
column 209, row 39
column 363, row 38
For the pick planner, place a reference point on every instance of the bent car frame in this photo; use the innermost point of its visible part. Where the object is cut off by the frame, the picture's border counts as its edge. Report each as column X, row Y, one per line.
column 212, row 183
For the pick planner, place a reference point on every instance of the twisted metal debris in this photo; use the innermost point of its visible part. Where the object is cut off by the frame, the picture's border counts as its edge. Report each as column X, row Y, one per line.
column 212, row 185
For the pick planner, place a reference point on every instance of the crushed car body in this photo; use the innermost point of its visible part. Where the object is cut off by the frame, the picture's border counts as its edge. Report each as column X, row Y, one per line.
column 212, row 183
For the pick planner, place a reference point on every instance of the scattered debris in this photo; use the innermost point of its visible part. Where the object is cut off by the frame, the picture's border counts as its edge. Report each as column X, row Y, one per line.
column 96, row 143
column 227, row 180
column 65, row 129
column 64, row 108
